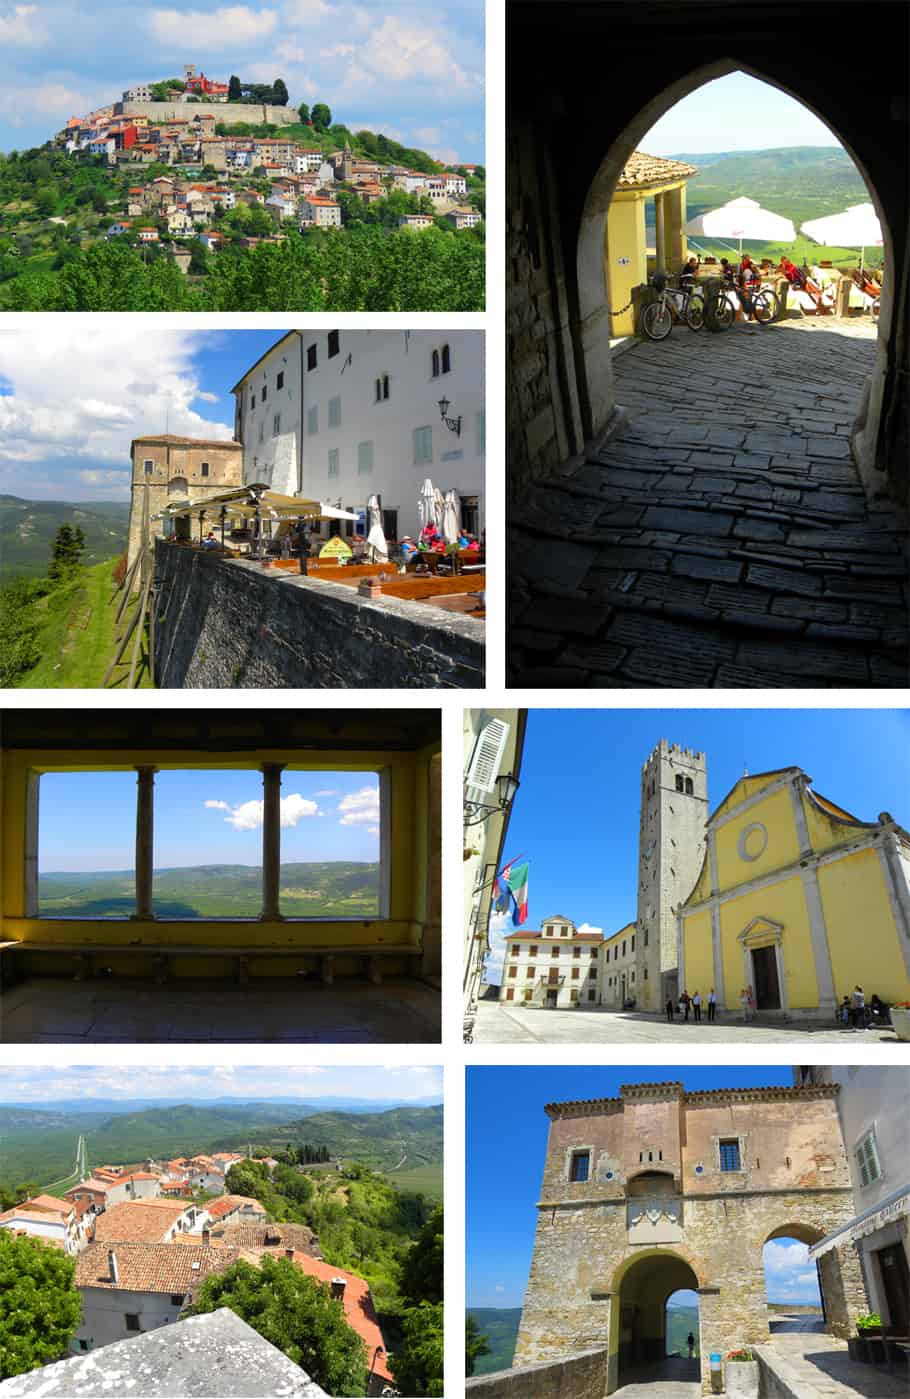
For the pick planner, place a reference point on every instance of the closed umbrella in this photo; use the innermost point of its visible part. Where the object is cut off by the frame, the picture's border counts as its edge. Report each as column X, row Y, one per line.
column 451, row 518
column 426, row 504
column 743, row 218
column 377, row 549
column 856, row 227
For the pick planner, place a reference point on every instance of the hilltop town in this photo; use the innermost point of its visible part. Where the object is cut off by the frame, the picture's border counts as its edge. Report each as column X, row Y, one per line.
column 181, row 169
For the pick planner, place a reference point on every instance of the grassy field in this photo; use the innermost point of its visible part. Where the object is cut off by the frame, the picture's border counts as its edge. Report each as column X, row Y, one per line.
column 423, row 1180
column 27, row 529
column 77, row 634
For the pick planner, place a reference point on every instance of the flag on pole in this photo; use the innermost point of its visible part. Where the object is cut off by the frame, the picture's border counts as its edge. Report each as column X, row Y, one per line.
column 516, row 877
column 501, row 895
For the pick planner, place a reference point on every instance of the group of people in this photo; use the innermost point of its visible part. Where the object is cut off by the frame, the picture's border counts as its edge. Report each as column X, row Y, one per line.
column 693, row 1003
column 854, row 1011
column 431, row 541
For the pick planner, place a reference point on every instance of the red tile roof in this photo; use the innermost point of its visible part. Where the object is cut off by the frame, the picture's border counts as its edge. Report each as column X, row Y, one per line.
column 150, row 1267
column 228, row 1203
column 548, row 937
column 139, row 1221
column 358, row 1306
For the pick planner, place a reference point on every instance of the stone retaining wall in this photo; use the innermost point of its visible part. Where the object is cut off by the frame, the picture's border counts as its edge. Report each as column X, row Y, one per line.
column 229, row 112
column 581, row 1375
column 229, row 624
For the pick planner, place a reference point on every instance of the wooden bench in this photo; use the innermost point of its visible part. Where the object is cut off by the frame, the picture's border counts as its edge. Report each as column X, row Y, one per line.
column 161, row 954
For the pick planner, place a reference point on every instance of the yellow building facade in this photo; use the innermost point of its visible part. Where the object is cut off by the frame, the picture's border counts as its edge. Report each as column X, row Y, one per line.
column 625, row 245
column 797, row 899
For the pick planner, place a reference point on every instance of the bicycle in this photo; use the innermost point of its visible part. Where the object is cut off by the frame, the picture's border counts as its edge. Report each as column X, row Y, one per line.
column 762, row 305
column 683, row 303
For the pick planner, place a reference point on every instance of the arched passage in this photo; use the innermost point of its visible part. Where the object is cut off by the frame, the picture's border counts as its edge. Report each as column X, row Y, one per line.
column 839, row 1278
column 638, row 1323
column 791, row 1281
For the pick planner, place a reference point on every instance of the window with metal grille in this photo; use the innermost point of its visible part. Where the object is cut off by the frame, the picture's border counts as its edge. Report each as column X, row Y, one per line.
column 729, row 1155
column 580, row 1166
column 866, row 1154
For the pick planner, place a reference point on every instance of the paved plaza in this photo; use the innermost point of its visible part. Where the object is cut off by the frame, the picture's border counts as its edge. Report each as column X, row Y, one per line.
column 722, row 537
column 498, row 1024
column 819, row 1367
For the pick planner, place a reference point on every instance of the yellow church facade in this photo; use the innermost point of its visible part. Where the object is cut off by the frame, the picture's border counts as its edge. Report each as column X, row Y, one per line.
column 797, row 899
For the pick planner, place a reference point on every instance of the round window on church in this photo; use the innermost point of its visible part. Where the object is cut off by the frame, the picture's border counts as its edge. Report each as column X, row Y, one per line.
column 752, row 841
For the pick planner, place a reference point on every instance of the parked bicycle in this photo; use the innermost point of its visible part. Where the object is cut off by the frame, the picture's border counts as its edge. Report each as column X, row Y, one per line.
column 683, row 303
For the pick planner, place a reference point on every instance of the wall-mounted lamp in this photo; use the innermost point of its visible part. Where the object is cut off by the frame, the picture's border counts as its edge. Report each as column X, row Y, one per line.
column 506, row 788
column 453, row 424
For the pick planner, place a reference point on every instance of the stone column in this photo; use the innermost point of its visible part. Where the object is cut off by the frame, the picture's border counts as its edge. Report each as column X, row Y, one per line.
column 660, row 234
column 676, row 221
column 271, row 839
column 145, row 832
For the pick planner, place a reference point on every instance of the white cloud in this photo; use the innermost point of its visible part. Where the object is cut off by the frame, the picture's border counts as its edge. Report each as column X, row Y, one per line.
column 329, row 792
column 247, row 816
column 21, row 25
column 360, row 808
column 208, row 397
column 589, row 928
column 53, row 101
column 234, row 26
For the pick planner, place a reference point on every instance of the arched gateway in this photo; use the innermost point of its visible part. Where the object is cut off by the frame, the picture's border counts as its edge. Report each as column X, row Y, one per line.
column 660, row 1190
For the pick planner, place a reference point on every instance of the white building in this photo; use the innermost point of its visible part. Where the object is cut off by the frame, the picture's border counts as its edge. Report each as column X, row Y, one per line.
column 456, row 184
column 341, row 415
column 142, row 93
column 617, row 960
column 128, row 1288
column 464, row 218
column 874, row 1108
column 322, row 213
column 557, row 968
column 306, row 159
column 45, row 1217
column 416, row 221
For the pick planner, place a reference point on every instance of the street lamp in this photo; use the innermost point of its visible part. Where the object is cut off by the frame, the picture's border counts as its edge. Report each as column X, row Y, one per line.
column 453, row 424
column 506, row 788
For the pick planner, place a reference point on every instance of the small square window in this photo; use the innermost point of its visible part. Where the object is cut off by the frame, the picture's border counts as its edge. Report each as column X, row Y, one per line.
column 204, row 468
column 148, row 467
column 311, row 357
column 334, row 346
column 580, row 1166
column 280, row 381
column 132, row 1321
column 176, row 1299
column 729, row 1155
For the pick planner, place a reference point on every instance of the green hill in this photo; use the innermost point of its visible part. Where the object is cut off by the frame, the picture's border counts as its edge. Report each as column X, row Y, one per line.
column 330, row 889
column 500, row 1326
column 27, row 529
column 680, row 1321
column 410, row 1136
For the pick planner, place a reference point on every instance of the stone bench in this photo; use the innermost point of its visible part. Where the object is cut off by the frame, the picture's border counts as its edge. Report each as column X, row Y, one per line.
column 161, row 954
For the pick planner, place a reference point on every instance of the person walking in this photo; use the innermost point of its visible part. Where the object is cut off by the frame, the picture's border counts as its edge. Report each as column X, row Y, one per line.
column 690, row 1342
column 712, row 1006
column 750, row 999
column 670, row 1009
column 744, row 1003
column 685, row 1001
column 859, row 1008
column 696, row 1006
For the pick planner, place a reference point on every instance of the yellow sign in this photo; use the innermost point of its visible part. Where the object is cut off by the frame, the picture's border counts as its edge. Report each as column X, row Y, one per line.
column 335, row 548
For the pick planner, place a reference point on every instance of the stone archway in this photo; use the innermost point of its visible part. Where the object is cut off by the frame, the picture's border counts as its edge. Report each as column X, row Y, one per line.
column 839, row 1277
column 592, row 335
column 640, row 1288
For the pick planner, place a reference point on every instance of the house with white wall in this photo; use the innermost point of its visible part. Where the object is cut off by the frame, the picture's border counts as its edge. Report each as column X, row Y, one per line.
column 341, row 415
column 57, row 1222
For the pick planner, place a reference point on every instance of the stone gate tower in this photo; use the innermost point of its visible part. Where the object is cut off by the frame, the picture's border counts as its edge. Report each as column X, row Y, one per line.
column 671, row 847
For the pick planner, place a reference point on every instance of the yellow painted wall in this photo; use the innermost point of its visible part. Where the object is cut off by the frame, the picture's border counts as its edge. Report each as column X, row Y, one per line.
column 826, row 832
column 703, row 884
column 699, row 955
column 408, row 854
column 776, row 814
column 783, row 903
column 746, row 787
column 864, row 942
column 625, row 237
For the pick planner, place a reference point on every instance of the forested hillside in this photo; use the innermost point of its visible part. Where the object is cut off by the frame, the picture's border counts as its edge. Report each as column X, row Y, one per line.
column 27, row 529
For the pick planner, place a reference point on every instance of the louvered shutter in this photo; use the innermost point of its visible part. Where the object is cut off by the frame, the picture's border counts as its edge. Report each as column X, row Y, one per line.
column 483, row 768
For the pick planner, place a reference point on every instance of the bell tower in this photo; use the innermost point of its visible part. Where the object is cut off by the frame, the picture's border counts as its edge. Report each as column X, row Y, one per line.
column 671, row 847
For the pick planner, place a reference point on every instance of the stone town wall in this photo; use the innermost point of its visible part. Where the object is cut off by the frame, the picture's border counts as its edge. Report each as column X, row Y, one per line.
column 221, row 111
column 230, row 624
column 579, row 1376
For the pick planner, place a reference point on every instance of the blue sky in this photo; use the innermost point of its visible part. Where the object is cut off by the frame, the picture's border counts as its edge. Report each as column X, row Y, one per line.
column 576, row 813
column 735, row 113
column 506, row 1144
column 71, row 402
column 87, row 820
column 175, row 1083
column 411, row 70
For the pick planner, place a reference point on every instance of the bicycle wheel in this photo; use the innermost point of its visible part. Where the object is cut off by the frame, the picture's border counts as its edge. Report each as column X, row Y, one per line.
column 695, row 312
column 657, row 320
column 765, row 306
column 719, row 313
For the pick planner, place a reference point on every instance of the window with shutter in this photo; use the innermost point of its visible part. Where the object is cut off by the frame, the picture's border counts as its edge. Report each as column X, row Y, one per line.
column 489, row 746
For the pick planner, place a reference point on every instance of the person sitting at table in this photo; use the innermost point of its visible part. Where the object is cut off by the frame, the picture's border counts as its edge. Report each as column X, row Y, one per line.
column 688, row 272
column 210, row 542
column 406, row 547
column 427, row 537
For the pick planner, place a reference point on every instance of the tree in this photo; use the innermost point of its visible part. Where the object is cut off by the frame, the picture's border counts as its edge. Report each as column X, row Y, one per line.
column 41, row 1307
column 199, row 258
column 234, row 93
column 421, row 1272
column 303, row 111
column 66, row 551
column 322, row 116
column 417, row 1363
column 475, row 1345
column 295, row 1313
column 279, row 93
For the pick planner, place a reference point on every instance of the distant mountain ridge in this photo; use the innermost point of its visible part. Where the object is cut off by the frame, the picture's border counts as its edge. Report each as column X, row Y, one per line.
column 800, row 182
column 27, row 529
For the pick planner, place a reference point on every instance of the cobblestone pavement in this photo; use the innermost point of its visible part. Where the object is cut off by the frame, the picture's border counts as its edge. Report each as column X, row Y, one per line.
column 675, row 1379
column 723, row 537
column 819, row 1367
column 497, row 1025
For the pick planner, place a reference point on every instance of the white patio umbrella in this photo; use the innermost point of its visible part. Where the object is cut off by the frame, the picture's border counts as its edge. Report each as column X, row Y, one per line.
column 451, row 518
column 426, row 504
column 743, row 218
column 377, row 549
column 856, row 227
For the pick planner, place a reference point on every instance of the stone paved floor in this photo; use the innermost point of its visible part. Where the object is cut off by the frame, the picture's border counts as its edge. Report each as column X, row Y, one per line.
column 723, row 537
column 56, row 1010
column 819, row 1367
column 674, row 1379
column 496, row 1024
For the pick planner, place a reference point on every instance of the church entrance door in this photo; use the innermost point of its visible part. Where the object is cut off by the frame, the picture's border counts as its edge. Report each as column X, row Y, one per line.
column 767, row 987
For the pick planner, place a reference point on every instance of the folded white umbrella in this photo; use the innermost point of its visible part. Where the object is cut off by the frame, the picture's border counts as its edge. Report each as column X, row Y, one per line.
column 743, row 218
column 856, row 227
column 377, row 549
column 451, row 518
column 426, row 504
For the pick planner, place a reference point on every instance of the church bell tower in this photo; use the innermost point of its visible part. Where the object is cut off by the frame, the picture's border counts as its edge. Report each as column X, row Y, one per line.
column 671, row 847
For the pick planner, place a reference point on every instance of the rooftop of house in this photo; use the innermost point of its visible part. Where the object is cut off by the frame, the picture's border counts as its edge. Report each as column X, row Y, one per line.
column 100, row 1187
column 169, row 439
column 39, row 1204
column 642, row 169
column 149, row 1267
column 226, row 1204
column 358, row 1305
column 273, row 1237
column 139, row 1221
column 216, row 1356
column 554, row 937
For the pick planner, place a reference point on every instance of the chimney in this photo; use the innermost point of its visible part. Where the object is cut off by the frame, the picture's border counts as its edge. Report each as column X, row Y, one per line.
column 338, row 1286
column 206, row 1237
column 289, row 1253
column 112, row 1268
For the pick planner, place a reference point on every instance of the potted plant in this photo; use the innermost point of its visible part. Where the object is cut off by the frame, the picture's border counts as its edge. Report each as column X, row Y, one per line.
column 741, row 1374
column 900, row 1019
column 869, row 1324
